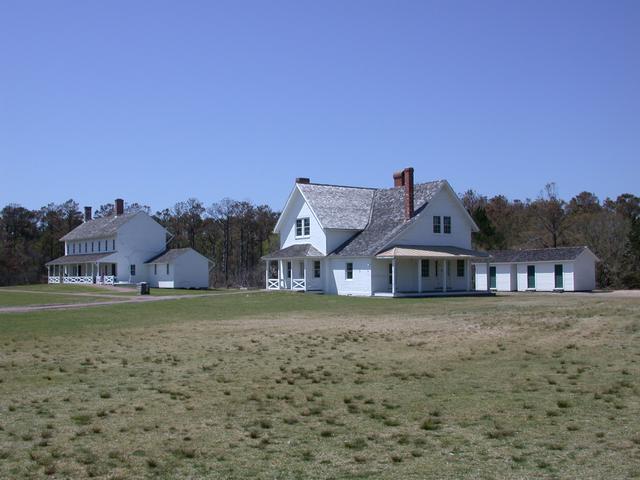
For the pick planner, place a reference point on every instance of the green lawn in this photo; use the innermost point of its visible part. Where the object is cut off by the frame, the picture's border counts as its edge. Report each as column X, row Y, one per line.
column 10, row 298
column 278, row 385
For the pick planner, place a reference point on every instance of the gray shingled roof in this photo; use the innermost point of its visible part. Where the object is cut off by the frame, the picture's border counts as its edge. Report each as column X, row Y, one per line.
column 83, row 258
column 335, row 206
column 295, row 251
column 387, row 219
column 98, row 227
column 168, row 256
column 536, row 255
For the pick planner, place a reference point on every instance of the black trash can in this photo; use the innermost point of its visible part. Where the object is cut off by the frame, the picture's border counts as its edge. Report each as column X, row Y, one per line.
column 143, row 288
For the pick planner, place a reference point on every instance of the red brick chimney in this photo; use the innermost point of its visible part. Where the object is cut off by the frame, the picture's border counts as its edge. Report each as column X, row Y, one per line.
column 398, row 179
column 87, row 214
column 407, row 175
column 119, row 206
column 302, row 180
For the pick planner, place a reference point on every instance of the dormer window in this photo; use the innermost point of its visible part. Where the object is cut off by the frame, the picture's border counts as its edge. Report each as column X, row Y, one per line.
column 303, row 227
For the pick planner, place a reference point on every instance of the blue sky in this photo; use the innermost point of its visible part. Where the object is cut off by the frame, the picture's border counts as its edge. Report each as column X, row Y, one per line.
column 158, row 101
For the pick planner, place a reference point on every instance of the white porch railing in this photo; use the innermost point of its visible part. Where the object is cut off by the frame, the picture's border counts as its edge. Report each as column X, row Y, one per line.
column 274, row 284
column 55, row 279
column 298, row 284
column 106, row 279
column 81, row 280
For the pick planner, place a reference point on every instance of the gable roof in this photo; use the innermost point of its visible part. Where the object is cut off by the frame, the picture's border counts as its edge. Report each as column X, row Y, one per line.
column 338, row 206
column 387, row 219
column 299, row 250
column 537, row 255
column 172, row 254
column 99, row 227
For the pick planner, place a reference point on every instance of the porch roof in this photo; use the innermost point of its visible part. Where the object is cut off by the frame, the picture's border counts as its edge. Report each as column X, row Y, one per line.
column 301, row 250
column 418, row 251
column 83, row 258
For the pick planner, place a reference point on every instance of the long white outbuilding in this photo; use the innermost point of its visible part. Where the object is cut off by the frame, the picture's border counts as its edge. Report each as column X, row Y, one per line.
column 569, row 269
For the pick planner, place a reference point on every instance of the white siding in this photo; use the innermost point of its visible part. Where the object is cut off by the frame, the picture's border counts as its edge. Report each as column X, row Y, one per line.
column 503, row 277
column 138, row 240
column 361, row 282
column 585, row 272
column 191, row 271
column 298, row 208
column 421, row 232
column 481, row 276
column 335, row 238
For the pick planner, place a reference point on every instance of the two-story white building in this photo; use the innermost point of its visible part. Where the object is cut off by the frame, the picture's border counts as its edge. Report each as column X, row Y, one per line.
column 411, row 239
column 126, row 248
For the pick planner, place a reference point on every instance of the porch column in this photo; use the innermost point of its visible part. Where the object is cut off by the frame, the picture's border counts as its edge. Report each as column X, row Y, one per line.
column 304, row 274
column 468, row 270
column 393, row 276
column 419, row 275
column 292, row 275
column 444, row 274
column 266, row 274
column 281, row 278
column 488, row 278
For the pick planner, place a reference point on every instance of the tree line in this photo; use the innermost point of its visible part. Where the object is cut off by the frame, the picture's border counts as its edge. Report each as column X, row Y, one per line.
column 235, row 234
column 611, row 228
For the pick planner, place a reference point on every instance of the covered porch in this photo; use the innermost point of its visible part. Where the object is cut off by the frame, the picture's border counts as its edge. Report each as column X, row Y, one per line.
column 297, row 268
column 412, row 271
column 85, row 269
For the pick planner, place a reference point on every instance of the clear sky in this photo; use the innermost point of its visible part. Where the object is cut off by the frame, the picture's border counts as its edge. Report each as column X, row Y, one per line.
column 157, row 101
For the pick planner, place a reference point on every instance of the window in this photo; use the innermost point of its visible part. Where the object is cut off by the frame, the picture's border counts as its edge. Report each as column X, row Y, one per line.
column 460, row 267
column 436, row 267
column 492, row 277
column 133, row 270
column 92, row 247
column 531, row 276
column 99, row 243
column 105, row 246
column 74, row 248
column 85, row 247
column 349, row 271
column 436, row 224
column 303, row 227
column 559, row 283
column 316, row 269
column 424, row 266
column 113, row 244
column 447, row 224
column 288, row 269
column 155, row 268
column 167, row 269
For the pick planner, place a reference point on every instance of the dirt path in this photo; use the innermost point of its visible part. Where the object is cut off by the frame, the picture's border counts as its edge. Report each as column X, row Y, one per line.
column 121, row 300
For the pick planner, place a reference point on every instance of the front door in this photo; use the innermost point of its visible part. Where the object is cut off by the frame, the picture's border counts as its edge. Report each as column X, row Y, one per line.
column 559, row 283
column 390, row 277
column 437, row 272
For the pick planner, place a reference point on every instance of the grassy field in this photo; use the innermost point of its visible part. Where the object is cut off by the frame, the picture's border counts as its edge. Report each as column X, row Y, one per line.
column 9, row 298
column 279, row 386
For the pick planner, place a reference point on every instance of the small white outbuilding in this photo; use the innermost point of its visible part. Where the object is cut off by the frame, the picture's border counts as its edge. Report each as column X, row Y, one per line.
column 179, row 268
column 569, row 269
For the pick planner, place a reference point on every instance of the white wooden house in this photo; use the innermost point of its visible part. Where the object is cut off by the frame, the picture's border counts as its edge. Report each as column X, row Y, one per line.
column 411, row 239
column 118, row 249
column 545, row 269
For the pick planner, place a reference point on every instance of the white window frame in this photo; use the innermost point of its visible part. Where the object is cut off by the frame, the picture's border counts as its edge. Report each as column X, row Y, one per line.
column 438, row 224
column 445, row 224
column 303, row 225
column 132, row 269
column 347, row 269
column 317, row 272
column 167, row 269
